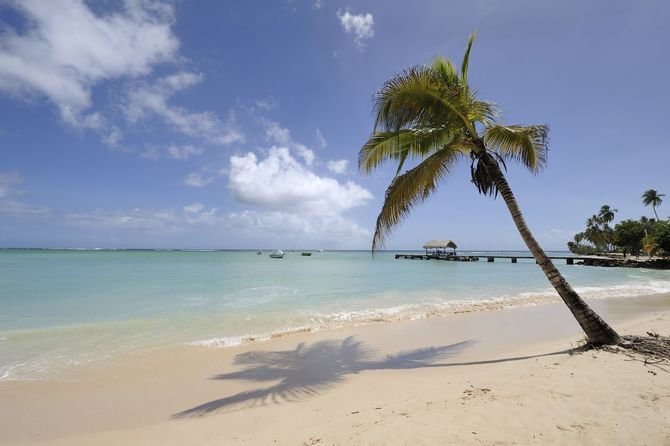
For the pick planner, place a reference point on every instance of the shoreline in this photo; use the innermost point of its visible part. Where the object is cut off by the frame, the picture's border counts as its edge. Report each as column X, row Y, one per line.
column 173, row 396
column 318, row 323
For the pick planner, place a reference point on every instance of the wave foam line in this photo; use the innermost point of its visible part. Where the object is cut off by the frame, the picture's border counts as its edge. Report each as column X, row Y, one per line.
column 318, row 322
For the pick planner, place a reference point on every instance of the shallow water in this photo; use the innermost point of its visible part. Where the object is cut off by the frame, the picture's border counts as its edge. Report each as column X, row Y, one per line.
column 62, row 308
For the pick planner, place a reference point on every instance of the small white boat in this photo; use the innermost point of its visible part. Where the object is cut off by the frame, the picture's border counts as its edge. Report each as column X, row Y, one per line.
column 278, row 254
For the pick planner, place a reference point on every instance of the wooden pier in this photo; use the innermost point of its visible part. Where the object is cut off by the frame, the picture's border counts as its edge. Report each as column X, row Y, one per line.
column 569, row 260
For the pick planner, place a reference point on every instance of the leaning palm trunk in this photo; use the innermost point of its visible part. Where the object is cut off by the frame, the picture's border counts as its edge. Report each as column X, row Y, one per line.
column 597, row 330
column 431, row 113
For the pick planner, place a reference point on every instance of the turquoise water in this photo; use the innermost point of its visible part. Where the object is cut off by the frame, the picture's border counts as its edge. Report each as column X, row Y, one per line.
column 64, row 308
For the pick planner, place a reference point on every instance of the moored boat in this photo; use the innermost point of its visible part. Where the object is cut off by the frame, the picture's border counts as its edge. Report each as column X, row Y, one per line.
column 277, row 254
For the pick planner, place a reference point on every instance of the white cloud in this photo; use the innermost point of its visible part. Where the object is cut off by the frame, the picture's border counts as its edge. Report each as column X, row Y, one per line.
column 146, row 100
column 286, row 225
column 318, row 4
column 196, row 213
column 9, row 182
column 66, row 49
column 282, row 136
column 151, row 153
column 320, row 140
column 173, row 151
column 168, row 220
column 360, row 25
column 134, row 219
column 18, row 208
column 267, row 104
column 339, row 167
column 183, row 152
column 293, row 201
column 280, row 182
column 195, row 179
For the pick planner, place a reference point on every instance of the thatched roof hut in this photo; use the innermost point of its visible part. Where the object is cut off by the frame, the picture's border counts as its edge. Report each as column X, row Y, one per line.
column 440, row 244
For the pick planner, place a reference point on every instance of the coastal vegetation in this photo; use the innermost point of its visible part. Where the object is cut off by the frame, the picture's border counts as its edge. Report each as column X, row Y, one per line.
column 646, row 235
column 431, row 113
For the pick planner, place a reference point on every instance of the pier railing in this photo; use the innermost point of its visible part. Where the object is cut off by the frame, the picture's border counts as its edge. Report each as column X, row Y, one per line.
column 570, row 260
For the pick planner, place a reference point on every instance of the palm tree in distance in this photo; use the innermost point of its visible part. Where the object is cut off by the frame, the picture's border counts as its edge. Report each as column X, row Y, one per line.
column 606, row 213
column 653, row 198
column 431, row 113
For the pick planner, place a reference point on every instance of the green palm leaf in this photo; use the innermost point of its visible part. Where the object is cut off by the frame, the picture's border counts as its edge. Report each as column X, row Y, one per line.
column 419, row 142
column 466, row 58
column 412, row 188
column 422, row 95
column 527, row 144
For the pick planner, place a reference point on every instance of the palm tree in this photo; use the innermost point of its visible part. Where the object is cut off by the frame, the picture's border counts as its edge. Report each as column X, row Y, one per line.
column 606, row 213
column 653, row 198
column 431, row 113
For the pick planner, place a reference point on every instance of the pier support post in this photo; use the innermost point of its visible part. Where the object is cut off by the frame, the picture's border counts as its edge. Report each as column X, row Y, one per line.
column 570, row 261
column 490, row 259
column 513, row 259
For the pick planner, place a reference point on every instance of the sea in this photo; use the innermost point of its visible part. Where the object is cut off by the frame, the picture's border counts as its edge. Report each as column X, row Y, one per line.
column 62, row 309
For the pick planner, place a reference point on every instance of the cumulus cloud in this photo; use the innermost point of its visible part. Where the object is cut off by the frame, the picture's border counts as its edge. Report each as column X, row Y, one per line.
column 280, row 182
column 47, row 57
column 331, row 228
column 289, row 198
column 277, row 134
column 151, row 100
column 339, row 167
column 360, row 25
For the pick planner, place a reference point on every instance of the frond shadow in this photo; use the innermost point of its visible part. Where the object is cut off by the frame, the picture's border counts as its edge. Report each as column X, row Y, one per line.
column 311, row 369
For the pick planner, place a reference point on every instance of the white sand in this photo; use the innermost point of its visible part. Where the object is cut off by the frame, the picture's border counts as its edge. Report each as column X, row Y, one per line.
column 496, row 377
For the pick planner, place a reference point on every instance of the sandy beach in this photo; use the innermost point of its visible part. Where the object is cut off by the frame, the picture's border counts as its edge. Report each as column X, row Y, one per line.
column 492, row 377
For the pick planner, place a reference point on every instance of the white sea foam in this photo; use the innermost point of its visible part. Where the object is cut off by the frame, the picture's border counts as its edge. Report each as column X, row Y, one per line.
column 435, row 307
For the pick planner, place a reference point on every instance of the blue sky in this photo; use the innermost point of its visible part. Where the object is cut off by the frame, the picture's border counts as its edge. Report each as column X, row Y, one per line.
column 234, row 124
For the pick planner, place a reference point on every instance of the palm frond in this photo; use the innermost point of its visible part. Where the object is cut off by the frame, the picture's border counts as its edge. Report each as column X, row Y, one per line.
column 528, row 144
column 421, row 95
column 418, row 142
column 484, row 112
column 652, row 197
column 466, row 58
column 446, row 69
column 412, row 188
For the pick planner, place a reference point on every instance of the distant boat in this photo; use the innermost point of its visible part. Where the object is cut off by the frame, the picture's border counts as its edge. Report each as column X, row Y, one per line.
column 259, row 253
column 320, row 250
column 278, row 254
column 306, row 254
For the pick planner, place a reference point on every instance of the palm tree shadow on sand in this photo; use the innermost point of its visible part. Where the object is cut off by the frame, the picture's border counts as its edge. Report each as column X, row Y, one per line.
column 309, row 370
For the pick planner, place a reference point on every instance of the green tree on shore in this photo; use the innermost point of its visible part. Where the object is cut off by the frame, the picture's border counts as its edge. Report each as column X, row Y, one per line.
column 431, row 113
column 598, row 234
column 628, row 235
column 653, row 198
